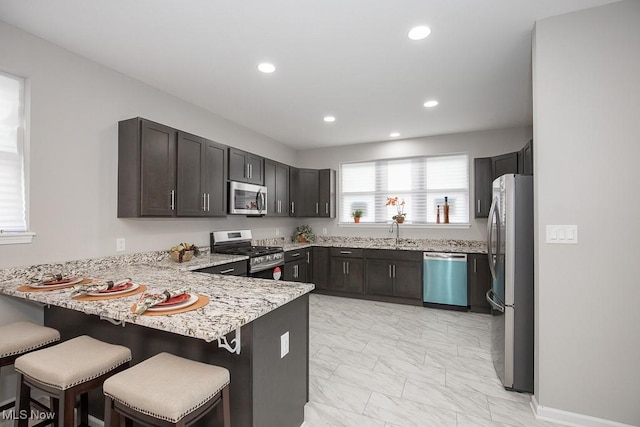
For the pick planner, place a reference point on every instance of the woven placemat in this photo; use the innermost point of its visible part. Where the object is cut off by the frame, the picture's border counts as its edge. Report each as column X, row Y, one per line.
column 138, row 290
column 27, row 288
column 202, row 301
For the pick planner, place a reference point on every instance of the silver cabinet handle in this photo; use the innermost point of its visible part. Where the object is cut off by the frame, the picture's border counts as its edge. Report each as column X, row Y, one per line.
column 173, row 199
column 296, row 254
column 347, row 267
column 478, row 205
column 293, row 208
column 326, row 208
column 345, row 252
column 308, row 257
column 317, row 209
column 250, row 170
column 475, row 265
column 344, row 269
column 228, row 270
column 246, row 171
column 390, row 270
column 394, row 271
column 208, row 201
column 204, row 201
column 295, row 271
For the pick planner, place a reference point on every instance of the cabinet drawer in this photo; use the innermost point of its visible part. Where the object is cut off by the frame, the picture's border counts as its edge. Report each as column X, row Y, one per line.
column 295, row 255
column 393, row 255
column 238, row 268
column 347, row 252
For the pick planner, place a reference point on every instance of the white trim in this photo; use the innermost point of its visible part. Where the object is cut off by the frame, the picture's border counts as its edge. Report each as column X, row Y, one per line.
column 567, row 418
column 11, row 238
column 402, row 226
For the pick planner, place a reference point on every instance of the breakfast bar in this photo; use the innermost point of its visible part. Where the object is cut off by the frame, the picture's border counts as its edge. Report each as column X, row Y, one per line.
column 240, row 328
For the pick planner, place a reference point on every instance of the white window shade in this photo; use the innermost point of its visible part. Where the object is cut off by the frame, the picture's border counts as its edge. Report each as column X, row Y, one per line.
column 422, row 182
column 12, row 187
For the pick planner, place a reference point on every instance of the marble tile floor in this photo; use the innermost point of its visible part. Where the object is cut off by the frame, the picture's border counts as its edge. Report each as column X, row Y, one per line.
column 376, row 364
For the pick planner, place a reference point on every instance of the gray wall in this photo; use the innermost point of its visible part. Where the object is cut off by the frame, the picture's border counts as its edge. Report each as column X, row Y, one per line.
column 475, row 144
column 586, row 128
column 75, row 108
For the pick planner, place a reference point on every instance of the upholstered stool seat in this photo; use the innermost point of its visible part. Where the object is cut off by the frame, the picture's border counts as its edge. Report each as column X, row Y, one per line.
column 67, row 370
column 166, row 390
column 19, row 338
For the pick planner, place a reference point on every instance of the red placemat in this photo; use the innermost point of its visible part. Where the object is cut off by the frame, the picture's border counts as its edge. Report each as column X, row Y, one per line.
column 138, row 290
column 27, row 288
column 202, row 301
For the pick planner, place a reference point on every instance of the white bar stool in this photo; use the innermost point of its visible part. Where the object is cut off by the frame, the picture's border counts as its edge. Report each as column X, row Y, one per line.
column 149, row 394
column 66, row 371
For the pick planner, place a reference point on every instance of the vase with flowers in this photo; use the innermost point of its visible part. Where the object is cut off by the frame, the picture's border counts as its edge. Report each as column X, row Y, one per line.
column 399, row 205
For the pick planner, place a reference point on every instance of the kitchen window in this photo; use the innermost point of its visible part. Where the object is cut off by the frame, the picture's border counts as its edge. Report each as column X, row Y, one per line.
column 422, row 182
column 13, row 205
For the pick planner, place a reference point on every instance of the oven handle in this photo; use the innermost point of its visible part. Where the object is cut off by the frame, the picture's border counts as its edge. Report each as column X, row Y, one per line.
column 260, row 200
column 278, row 263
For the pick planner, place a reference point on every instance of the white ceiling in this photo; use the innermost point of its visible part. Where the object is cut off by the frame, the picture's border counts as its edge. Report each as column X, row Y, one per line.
column 347, row 58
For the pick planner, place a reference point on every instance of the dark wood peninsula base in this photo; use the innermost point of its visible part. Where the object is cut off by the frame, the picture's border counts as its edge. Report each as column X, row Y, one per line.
column 266, row 390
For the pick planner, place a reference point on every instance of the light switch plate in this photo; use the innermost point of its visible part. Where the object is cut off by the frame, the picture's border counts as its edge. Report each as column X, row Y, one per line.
column 284, row 344
column 562, row 234
column 120, row 244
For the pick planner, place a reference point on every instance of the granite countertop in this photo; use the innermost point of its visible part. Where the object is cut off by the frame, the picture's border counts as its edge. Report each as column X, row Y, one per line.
column 235, row 301
column 203, row 261
column 422, row 245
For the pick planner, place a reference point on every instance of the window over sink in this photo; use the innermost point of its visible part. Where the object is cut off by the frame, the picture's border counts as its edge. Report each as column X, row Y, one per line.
column 421, row 182
column 13, row 202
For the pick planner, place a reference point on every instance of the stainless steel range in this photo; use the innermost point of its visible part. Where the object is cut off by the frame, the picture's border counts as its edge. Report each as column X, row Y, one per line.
column 264, row 261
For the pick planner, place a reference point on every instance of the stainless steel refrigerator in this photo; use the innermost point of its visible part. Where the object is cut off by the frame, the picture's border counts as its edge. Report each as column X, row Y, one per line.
column 510, row 251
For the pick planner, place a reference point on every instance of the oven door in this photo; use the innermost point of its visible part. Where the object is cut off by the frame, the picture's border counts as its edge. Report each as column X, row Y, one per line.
column 247, row 199
column 273, row 273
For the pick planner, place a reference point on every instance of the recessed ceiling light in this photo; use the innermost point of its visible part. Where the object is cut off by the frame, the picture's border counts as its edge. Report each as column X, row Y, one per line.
column 266, row 67
column 419, row 33
column 431, row 103
column 394, row 134
column 329, row 119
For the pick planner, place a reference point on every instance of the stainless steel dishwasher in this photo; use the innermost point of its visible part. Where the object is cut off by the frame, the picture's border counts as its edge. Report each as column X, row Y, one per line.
column 445, row 279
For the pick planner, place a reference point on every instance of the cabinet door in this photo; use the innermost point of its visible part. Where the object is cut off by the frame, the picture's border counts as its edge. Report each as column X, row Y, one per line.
column 506, row 163
column 308, row 204
column 338, row 272
column 407, row 279
column 255, row 164
column 327, row 193
column 525, row 159
column 158, row 169
column 320, row 266
column 354, row 279
column 482, row 186
column 378, row 277
column 478, row 282
column 190, row 194
column 215, row 179
column 270, row 183
column 238, row 170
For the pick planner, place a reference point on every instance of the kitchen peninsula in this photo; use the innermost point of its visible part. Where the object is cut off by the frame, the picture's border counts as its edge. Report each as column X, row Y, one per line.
column 266, row 389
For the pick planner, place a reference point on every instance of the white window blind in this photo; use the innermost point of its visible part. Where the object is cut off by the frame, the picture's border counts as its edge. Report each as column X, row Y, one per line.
column 12, row 186
column 422, row 182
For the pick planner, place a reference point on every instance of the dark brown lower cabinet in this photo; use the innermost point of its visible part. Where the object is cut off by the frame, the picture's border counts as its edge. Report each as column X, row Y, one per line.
column 393, row 273
column 346, row 275
column 478, row 282
column 320, row 267
column 296, row 271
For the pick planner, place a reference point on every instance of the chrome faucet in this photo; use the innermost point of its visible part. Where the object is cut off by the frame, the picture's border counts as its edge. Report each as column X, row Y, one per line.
column 397, row 230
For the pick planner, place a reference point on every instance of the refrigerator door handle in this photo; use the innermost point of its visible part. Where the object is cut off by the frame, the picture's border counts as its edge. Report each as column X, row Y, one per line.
column 494, row 304
column 490, row 225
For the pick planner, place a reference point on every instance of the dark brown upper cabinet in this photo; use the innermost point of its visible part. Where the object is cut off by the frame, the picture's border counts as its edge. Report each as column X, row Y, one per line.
column 245, row 167
column 312, row 193
column 503, row 164
column 146, row 169
column 525, row 159
column 163, row 172
column 276, row 179
column 202, row 172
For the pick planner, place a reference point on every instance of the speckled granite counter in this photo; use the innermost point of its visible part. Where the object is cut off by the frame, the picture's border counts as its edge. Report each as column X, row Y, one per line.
column 422, row 245
column 235, row 301
column 203, row 261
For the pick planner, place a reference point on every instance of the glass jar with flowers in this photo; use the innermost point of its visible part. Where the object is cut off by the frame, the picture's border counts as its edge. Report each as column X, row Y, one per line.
column 394, row 201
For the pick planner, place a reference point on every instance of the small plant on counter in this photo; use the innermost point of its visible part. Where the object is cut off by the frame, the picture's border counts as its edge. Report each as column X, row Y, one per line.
column 183, row 252
column 357, row 214
column 303, row 233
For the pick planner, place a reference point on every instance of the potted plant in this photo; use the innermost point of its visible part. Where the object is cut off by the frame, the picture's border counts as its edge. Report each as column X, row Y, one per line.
column 356, row 215
column 303, row 234
column 394, row 201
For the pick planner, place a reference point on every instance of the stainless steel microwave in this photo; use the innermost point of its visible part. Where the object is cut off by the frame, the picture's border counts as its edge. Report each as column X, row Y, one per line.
column 247, row 199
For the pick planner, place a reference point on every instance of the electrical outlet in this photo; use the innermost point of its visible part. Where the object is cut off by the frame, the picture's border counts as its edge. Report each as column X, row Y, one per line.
column 277, row 231
column 284, row 344
column 324, row 231
column 120, row 244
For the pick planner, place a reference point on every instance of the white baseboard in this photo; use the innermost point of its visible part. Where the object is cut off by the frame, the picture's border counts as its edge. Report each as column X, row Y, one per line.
column 573, row 419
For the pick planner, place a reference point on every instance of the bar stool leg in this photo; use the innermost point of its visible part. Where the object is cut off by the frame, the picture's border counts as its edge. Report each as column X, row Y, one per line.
column 65, row 409
column 23, row 394
column 226, row 411
column 84, row 409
